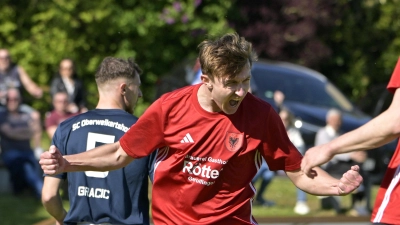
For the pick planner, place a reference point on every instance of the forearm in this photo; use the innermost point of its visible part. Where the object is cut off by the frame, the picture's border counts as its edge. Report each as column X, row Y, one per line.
column 104, row 158
column 379, row 131
column 51, row 198
column 322, row 185
column 55, row 208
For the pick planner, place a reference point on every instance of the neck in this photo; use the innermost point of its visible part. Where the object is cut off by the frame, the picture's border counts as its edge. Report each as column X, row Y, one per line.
column 109, row 103
column 205, row 100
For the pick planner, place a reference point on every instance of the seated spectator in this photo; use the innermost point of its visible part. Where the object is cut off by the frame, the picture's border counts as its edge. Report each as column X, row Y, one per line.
column 66, row 81
column 16, row 131
column 58, row 114
column 14, row 76
column 338, row 164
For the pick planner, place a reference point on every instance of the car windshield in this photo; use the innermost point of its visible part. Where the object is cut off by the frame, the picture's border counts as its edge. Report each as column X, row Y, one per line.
column 297, row 87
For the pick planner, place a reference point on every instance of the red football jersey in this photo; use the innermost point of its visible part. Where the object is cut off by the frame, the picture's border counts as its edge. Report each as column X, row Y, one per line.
column 206, row 159
column 386, row 209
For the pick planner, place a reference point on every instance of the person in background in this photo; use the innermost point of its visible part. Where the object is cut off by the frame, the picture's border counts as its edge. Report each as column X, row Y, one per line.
column 108, row 197
column 266, row 176
column 66, row 81
column 295, row 137
column 338, row 164
column 213, row 136
column 15, row 76
column 59, row 113
column 16, row 131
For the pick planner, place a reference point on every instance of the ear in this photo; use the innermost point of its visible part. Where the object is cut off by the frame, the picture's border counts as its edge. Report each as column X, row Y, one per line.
column 122, row 88
column 205, row 79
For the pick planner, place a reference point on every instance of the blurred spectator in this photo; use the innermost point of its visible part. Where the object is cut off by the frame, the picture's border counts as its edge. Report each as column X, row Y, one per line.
column 66, row 81
column 197, row 72
column 266, row 176
column 14, row 76
column 295, row 137
column 16, row 130
column 58, row 114
column 339, row 164
column 279, row 97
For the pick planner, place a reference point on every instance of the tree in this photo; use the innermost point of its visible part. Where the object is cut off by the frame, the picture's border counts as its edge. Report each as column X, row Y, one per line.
column 157, row 33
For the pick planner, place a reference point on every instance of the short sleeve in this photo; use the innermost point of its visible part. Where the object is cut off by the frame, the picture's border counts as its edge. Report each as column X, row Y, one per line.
column 147, row 134
column 394, row 82
column 278, row 151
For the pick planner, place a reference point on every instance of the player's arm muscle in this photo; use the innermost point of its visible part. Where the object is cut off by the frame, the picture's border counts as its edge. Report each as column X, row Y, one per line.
column 323, row 184
column 103, row 158
column 51, row 198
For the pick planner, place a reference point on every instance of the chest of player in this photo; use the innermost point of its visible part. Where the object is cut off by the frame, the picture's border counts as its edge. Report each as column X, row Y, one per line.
column 208, row 150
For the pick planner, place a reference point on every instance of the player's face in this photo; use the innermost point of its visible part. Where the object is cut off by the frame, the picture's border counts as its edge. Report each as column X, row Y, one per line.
column 227, row 93
column 132, row 94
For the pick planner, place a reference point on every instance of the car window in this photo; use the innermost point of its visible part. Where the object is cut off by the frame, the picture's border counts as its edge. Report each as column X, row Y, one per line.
column 298, row 88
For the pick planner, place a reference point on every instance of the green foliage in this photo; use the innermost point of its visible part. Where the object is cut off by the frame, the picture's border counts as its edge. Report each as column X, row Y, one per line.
column 158, row 34
column 365, row 45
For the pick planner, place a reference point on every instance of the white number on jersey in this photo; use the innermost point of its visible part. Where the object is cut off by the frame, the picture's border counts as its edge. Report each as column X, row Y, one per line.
column 91, row 144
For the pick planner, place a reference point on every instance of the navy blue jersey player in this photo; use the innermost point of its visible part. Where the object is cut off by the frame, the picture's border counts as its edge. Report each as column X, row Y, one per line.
column 112, row 197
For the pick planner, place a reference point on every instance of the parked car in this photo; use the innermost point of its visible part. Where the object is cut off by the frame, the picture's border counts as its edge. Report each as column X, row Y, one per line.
column 308, row 95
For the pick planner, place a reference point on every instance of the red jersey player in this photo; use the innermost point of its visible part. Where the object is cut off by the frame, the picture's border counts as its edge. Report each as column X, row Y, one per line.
column 377, row 132
column 212, row 138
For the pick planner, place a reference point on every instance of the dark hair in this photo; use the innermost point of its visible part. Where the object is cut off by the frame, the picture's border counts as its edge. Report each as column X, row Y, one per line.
column 112, row 68
column 225, row 56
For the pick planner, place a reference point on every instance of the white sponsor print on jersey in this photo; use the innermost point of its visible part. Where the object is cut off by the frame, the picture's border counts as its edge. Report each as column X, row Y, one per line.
column 199, row 172
column 93, row 192
column 187, row 139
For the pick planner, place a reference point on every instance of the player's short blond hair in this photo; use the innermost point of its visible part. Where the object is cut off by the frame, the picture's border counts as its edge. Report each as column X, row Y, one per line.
column 225, row 56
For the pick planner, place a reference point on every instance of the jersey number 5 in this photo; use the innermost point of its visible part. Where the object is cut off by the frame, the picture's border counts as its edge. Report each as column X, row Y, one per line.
column 91, row 144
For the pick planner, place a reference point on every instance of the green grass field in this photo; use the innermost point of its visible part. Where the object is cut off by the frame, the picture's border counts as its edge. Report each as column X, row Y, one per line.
column 26, row 210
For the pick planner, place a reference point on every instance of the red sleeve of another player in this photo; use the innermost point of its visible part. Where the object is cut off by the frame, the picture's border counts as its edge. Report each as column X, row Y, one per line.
column 394, row 82
column 147, row 134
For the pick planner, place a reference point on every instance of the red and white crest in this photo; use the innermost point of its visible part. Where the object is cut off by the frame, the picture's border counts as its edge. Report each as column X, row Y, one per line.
column 233, row 141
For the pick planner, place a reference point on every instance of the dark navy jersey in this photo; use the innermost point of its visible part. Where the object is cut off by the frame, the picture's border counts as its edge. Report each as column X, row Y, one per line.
column 116, row 197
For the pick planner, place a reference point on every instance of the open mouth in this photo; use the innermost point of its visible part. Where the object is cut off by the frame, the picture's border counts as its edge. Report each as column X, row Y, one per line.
column 233, row 103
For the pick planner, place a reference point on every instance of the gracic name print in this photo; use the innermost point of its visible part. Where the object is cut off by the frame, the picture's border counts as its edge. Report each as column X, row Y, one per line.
column 93, row 192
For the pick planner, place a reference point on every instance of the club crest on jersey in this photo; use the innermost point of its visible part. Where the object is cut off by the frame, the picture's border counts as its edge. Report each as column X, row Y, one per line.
column 233, row 141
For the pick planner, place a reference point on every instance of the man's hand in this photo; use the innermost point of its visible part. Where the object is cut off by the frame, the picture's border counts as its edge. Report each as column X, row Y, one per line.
column 313, row 157
column 52, row 161
column 350, row 181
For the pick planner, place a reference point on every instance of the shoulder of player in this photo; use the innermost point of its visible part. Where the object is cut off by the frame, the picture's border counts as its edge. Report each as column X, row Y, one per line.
column 176, row 95
column 256, row 103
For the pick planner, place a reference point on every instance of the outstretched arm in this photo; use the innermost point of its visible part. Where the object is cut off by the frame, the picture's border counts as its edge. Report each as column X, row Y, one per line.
column 29, row 85
column 324, row 184
column 51, row 199
column 103, row 158
column 379, row 131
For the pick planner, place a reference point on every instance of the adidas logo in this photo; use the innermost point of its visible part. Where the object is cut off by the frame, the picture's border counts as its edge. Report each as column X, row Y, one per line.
column 187, row 139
